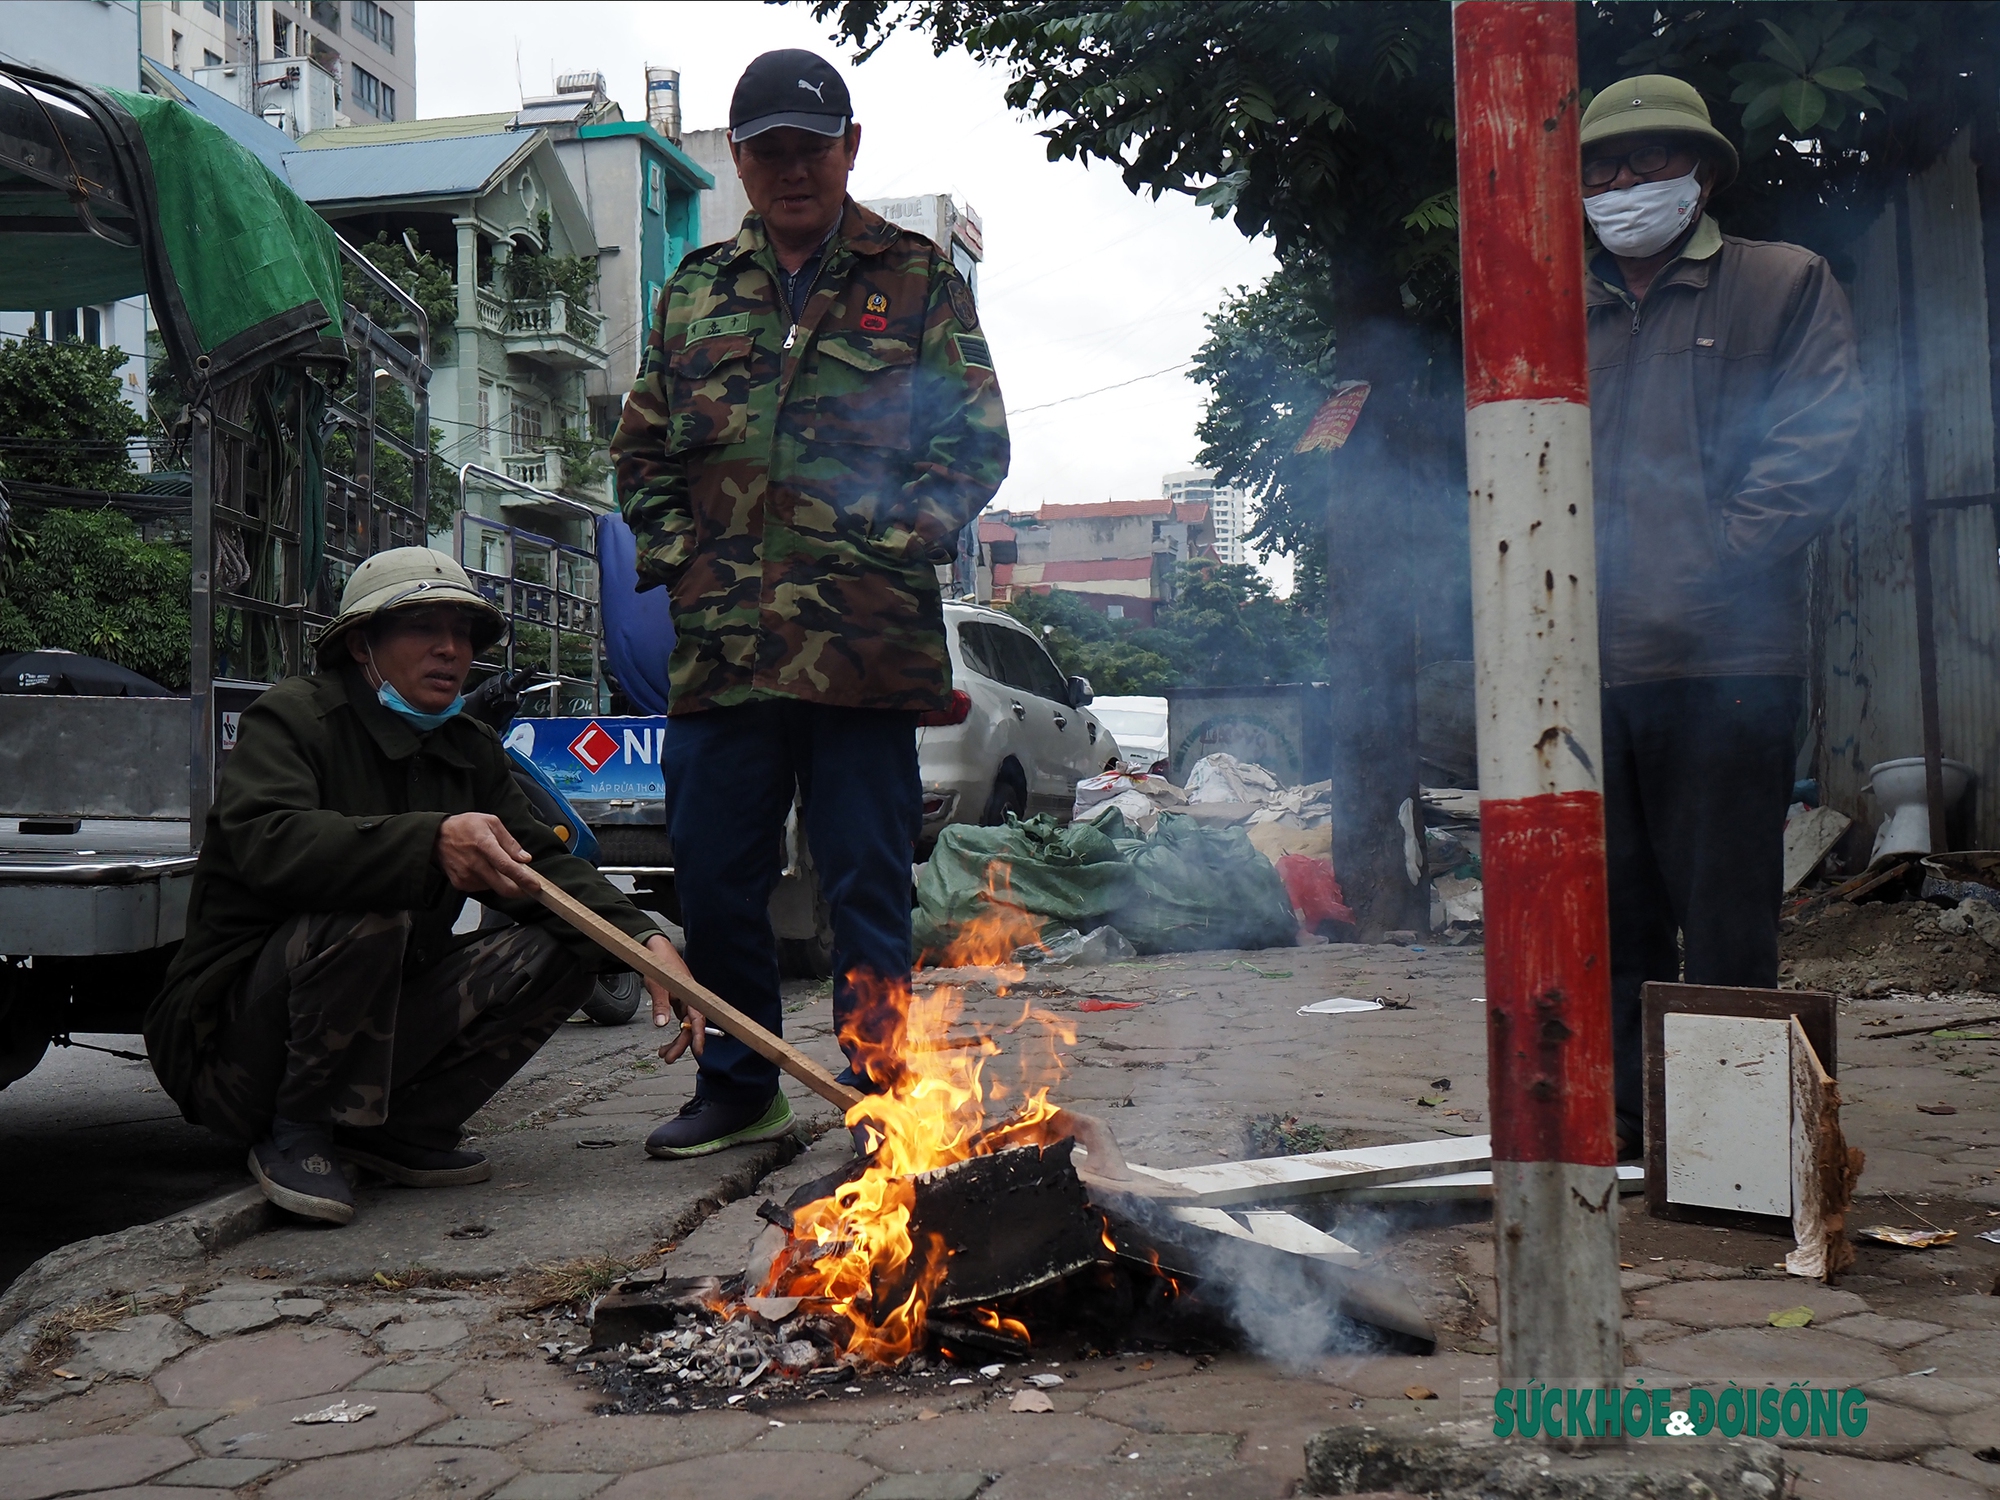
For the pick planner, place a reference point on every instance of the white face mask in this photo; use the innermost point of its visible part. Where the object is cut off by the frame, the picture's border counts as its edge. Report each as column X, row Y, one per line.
column 1645, row 218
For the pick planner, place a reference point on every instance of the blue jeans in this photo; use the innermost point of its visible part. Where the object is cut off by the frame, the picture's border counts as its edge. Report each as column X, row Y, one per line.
column 730, row 774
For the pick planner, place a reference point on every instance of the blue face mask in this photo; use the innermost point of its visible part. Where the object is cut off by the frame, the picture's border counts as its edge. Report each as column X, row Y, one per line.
column 392, row 700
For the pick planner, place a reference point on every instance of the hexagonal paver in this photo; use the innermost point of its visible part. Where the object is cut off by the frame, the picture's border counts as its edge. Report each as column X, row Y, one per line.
column 135, row 1348
column 1830, row 1476
column 87, row 1463
column 1771, row 1354
column 108, row 1407
column 999, row 1438
column 393, row 1473
column 529, row 1392
column 412, row 1375
column 618, row 1445
column 750, row 1476
column 160, row 1492
column 278, row 1365
column 475, row 1432
column 1733, row 1304
column 421, row 1333
column 1890, row 1333
column 220, row 1473
column 270, row 1432
column 1969, row 1352
column 1931, row 1393
column 553, row 1486
column 231, row 1315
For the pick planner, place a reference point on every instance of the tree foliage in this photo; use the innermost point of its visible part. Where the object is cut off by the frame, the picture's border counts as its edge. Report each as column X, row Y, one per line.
column 86, row 581
column 428, row 281
column 1225, row 628
column 62, row 417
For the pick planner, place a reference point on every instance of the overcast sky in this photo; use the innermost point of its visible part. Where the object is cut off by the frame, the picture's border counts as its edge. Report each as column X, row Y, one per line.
column 1084, row 284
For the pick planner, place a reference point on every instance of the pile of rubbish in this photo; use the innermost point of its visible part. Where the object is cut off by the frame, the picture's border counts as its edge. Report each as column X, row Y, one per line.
column 1184, row 886
column 1451, row 857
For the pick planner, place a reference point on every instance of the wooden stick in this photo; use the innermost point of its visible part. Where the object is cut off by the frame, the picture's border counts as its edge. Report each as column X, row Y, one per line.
column 731, row 1020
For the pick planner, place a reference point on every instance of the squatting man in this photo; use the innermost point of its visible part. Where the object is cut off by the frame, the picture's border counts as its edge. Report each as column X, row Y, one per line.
column 321, row 1007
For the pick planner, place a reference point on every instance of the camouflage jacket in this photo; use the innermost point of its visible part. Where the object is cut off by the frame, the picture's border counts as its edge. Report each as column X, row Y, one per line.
column 791, row 486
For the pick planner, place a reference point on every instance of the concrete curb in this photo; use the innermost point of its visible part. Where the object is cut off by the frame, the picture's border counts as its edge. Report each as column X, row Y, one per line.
column 175, row 1247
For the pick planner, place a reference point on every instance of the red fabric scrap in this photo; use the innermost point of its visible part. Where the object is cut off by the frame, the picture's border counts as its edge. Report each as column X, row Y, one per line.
column 1314, row 891
column 1097, row 1005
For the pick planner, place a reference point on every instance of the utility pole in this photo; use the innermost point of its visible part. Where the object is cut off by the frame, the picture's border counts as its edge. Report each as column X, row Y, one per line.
column 1534, row 625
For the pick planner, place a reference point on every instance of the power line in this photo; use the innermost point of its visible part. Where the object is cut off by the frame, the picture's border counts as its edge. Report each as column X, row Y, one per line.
column 1081, row 395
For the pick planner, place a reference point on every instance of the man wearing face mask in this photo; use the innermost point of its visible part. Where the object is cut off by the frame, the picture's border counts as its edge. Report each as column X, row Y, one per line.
column 816, row 419
column 320, row 1008
column 1725, row 397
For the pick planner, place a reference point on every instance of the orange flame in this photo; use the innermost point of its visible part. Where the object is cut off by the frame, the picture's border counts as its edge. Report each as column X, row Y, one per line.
column 856, row 1251
column 990, row 937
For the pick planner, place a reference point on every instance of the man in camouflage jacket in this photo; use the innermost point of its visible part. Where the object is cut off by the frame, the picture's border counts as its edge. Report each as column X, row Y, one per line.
column 816, row 419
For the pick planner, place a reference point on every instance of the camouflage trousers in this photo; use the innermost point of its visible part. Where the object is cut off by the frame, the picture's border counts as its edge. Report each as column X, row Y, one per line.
column 328, row 1029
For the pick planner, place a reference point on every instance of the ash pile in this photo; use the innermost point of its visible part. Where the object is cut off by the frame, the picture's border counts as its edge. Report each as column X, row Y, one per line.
column 1010, row 1254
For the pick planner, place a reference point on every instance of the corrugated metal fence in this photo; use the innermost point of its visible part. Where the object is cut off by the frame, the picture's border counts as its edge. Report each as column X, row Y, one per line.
column 1866, row 625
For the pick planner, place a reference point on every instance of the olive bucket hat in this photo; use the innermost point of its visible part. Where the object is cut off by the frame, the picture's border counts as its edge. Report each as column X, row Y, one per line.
column 408, row 578
column 1654, row 104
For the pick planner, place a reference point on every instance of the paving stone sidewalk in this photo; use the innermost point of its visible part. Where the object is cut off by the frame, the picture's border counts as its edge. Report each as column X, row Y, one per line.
column 193, row 1394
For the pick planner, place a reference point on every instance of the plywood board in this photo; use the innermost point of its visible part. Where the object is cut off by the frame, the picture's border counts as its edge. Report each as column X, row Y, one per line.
column 1729, row 1112
column 1808, row 837
column 1815, row 1012
column 1280, row 1179
column 1475, row 1186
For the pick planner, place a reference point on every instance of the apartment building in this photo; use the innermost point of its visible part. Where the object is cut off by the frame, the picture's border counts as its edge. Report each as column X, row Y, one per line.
column 1118, row 556
column 1228, row 509
column 301, row 64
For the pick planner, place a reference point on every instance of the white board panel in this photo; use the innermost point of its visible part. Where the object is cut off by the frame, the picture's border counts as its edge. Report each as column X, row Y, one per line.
column 1729, row 1113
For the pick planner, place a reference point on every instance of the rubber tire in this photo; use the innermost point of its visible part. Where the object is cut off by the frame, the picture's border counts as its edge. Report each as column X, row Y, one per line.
column 1009, row 794
column 806, row 958
column 615, row 999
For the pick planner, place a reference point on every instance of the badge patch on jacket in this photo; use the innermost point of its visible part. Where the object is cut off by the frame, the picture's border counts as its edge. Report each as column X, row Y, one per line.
column 962, row 305
column 972, row 351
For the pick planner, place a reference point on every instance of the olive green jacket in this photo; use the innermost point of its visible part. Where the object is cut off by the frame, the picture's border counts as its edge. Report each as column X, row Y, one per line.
column 330, row 802
column 793, row 485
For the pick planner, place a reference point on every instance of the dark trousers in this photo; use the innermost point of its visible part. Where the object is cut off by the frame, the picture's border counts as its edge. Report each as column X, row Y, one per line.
column 327, row 1029
column 730, row 775
column 1698, row 773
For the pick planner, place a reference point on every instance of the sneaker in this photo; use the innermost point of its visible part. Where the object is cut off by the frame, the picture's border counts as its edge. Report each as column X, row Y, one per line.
column 305, row 1180
column 706, row 1125
column 412, row 1166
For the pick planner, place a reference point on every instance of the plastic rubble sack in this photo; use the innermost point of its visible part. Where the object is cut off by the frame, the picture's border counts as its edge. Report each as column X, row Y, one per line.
column 1102, row 945
column 1195, row 886
column 1122, row 787
column 1314, row 890
column 1071, row 876
column 1275, row 840
column 1457, row 900
column 1223, row 778
column 1309, row 806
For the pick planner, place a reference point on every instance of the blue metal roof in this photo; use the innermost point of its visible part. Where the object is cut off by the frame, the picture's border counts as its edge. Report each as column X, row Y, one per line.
column 403, row 169
column 264, row 141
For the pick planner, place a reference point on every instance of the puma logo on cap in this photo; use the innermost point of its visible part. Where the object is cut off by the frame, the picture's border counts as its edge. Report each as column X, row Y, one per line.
column 817, row 90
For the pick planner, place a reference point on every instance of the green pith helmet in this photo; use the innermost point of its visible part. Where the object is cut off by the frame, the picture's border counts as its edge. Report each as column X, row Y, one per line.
column 1654, row 104
column 407, row 578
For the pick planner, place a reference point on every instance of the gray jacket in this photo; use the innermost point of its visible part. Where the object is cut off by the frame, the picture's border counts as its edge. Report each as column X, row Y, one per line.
column 1723, row 416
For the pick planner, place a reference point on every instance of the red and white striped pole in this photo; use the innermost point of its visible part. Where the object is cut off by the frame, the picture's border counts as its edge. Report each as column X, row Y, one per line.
column 1534, row 623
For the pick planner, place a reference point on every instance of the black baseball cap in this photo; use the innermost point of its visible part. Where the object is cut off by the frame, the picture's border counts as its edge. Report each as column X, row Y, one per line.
column 792, row 87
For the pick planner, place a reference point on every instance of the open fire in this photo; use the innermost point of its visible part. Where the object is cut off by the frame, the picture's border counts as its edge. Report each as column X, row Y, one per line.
column 864, row 1254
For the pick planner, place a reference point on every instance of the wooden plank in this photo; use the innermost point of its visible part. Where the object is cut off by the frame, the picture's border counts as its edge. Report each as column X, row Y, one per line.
column 1808, row 839
column 719, row 1012
column 1278, row 1231
column 1279, row 1179
column 1463, row 1186
column 1824, row 1168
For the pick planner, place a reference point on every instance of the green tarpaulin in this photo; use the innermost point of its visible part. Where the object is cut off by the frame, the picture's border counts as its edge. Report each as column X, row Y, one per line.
column 240, row 271
column 1186, row 887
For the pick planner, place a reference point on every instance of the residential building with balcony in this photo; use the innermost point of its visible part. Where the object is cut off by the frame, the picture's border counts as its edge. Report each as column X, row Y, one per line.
column 512, row 368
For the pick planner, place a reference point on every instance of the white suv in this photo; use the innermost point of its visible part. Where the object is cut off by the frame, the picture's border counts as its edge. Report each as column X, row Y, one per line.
column 1023, row 735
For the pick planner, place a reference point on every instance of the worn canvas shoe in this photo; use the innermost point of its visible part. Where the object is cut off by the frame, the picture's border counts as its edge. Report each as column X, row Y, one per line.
column 706, row 1125
column 305, row 1180
column 412, row 1166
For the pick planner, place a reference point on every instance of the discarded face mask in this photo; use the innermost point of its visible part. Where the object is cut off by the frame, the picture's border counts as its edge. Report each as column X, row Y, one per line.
column 1339, row 1005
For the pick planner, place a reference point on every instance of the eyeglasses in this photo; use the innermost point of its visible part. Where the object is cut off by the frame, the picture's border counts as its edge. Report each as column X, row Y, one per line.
column 1602, row 171
column 775, row 154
